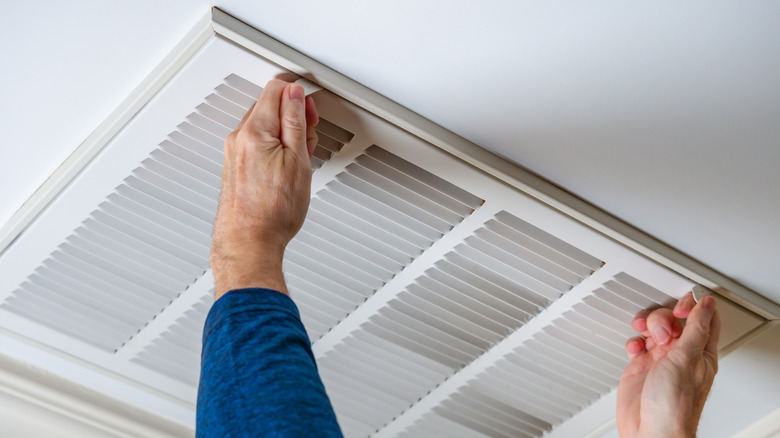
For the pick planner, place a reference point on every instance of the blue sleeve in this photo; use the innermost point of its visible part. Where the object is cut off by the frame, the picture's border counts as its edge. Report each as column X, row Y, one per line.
column 258, row 375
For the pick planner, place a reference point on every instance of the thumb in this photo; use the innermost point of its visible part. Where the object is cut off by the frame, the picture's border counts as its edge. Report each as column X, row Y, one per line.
column 699, row 327
column 292, row 114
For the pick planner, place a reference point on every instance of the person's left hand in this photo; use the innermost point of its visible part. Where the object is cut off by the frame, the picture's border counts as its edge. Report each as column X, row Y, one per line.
column 670, row 371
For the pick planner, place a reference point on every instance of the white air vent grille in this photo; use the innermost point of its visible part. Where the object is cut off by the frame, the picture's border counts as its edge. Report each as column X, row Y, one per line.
column 364, row 228
column 482, row 291
column 552, row 375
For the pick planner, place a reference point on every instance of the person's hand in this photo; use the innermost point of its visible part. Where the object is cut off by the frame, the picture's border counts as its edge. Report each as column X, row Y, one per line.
column 266, row 186
column 670, row 371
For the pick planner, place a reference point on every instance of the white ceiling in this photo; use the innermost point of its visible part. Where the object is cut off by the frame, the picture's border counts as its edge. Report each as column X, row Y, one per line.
column 664, row 114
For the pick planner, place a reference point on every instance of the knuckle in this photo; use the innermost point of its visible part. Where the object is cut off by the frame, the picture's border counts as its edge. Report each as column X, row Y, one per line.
column 294, row 123
column 231, row 138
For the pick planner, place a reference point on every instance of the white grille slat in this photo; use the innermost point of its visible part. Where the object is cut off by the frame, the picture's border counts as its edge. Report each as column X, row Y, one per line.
column 202, row 136
column 512, row 299
column 425, row 177
column 553, row 242
column 531, row 263
column 72, row 303
column 196, row 147
column 486, row 416
column 218, row 116
column 369, row 228
column 447, row 312
column 397, row 190
column 208, row 125
column 479, row 270
column 415, row 186
column 580, row 361
column 437, row 283
column 235, row 96
column 128, row 268
column 161, row 197
column 558, row 397
column 515, row 414
column 487, row 258
column 519, row 309
column 352, row 258
column 131, row 311
column 179, row 217
column 186, row 193
column 178, row 177
column 445, row 342
column 425, row 219
column 531, row 395
column 245, row 86
column 459, row 305
column 395, row 215
column 145, row 255
column 223, row 104
column 188, row 156
column 134, row 224
column 470, row 423
column 111, row 280
column 362, row 235
column 439, row 321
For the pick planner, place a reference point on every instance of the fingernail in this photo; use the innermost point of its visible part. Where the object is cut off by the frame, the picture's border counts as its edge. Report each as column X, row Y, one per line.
column 709, row 302
column 661, row 336
column 296, row 92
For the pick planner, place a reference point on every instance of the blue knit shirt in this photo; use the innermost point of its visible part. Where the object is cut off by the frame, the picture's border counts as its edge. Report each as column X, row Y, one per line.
column 258, row 375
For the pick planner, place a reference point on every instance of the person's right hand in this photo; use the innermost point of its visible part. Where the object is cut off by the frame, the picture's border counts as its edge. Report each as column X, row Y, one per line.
column 670, row 372
column 266, row 184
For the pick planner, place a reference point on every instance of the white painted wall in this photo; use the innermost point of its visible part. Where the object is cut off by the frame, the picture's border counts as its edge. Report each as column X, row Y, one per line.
column 663, row 114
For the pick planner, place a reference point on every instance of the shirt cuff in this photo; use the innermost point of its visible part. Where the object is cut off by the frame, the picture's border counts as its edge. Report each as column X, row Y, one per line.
column 248, row 300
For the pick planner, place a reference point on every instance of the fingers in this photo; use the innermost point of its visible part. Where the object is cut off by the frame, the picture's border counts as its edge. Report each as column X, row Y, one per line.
column 662, row 326
column 684, row 306
column 264, row 116
column 312, row 118
column 702, row 328
column 635, row 347
column 640, row 321
column 293, row 119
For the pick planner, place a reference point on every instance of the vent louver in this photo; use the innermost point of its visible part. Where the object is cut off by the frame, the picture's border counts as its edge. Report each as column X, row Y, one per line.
column 472, row 299
column 364, row 228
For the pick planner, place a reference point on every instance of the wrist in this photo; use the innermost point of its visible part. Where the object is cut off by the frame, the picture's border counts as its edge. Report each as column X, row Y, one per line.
column 247, row 266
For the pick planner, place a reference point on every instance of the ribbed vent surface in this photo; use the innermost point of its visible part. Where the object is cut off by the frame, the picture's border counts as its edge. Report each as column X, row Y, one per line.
column 149, row 241
column 553, row 375
column 362, row 229
column 176, row 352
column 483, row 290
